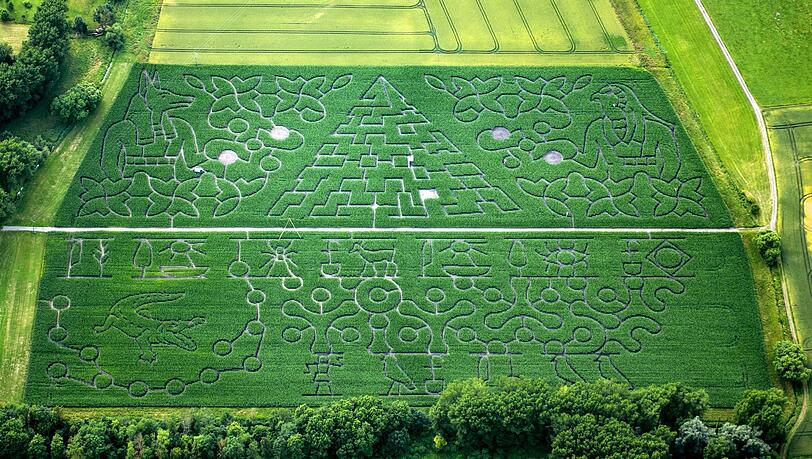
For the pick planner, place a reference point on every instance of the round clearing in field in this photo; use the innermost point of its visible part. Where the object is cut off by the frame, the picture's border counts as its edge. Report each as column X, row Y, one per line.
column 500, row 133
column 280, row 133
column 227, row 157
column 553, row 158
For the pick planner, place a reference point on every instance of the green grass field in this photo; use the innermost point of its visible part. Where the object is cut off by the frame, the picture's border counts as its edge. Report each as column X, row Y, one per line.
column 399, row 32
column 270, row 319
column 19, row 279
column 334, row 147
column 13, row 34
column 712, row 90
column 771, row 43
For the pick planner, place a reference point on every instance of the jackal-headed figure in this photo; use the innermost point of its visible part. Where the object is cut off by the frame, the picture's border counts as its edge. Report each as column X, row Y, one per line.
column 150, row 138
column 630, row 137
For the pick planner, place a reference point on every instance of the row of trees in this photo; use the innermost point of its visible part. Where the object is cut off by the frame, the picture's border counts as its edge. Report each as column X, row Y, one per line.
column 26, row 77
column 584, row 420
column 603, row 420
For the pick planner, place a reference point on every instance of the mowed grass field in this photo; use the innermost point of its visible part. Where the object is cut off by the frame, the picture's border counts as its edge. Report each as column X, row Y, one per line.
column 397, row 32
column 771, row 43
column 279, row 319
column 19, row 280
column 416, row 147
column 712, row 90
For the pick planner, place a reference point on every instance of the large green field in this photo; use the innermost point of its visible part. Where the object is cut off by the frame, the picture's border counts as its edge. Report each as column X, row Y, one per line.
column 278, row 319
column 412, row 200
column 712, row 90
column 412, row 147
column 771, row 43
column 398, row 32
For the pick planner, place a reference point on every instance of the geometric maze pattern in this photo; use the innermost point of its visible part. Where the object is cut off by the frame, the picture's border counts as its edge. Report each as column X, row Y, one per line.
column 340, row 314
column 432, row 149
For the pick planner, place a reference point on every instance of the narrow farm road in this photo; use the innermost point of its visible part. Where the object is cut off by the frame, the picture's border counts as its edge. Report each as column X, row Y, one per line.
column 762, row 126
column 768, row 156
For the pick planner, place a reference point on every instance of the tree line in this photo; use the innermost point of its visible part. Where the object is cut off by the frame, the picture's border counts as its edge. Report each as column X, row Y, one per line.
column 26, row 77
column 469, row 419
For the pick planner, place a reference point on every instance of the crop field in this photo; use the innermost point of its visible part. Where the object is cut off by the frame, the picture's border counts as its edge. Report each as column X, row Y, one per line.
column 337, row 147
column 313, row 232
column 790, row 130
column 393, row 31
column 277, row 319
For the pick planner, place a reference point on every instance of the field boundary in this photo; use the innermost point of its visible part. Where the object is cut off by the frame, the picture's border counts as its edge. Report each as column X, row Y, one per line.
column 762, row 126
column 311, row 229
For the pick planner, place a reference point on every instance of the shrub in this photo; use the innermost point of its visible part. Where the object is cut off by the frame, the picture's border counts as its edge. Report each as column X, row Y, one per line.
column 114, row 36
column 6, row 53
column 5, row 15
column 764, row 411
column 790, row 361
column 28, row 5
column 769, row 246
column 77, row 102
column 104, row 15
column 79, row 25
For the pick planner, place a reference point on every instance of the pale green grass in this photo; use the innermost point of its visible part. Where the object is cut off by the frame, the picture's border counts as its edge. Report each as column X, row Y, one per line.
column 22, row 256
column 771, row 43
column 13, row 34
column 392, row 32
column 713, row 91
column 43, row 196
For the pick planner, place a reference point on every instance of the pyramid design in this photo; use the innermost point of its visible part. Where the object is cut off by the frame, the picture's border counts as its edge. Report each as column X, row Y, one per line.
column 387, row 162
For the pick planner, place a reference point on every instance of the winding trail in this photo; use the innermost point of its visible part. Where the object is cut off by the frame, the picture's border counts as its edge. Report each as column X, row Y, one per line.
column 768, row 157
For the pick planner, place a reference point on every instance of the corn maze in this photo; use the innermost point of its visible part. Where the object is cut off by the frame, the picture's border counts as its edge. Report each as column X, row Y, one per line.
column 508, row 149
column 311, row 233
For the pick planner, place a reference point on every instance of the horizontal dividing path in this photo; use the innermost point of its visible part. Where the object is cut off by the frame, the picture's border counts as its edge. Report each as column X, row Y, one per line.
column 121, row 229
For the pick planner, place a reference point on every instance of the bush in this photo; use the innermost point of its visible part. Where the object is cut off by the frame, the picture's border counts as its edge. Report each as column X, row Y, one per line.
column 104, row 15
column 114, row 36
column 5, row 15
column 79, row 25
column 790, row 361
column 764, row 411
column 77, row 102
column 6, row 53
column 769, row 246
column 18, row 161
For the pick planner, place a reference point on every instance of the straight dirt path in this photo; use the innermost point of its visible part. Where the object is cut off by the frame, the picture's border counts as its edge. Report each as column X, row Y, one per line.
column 762, row 126
column 121, row 229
